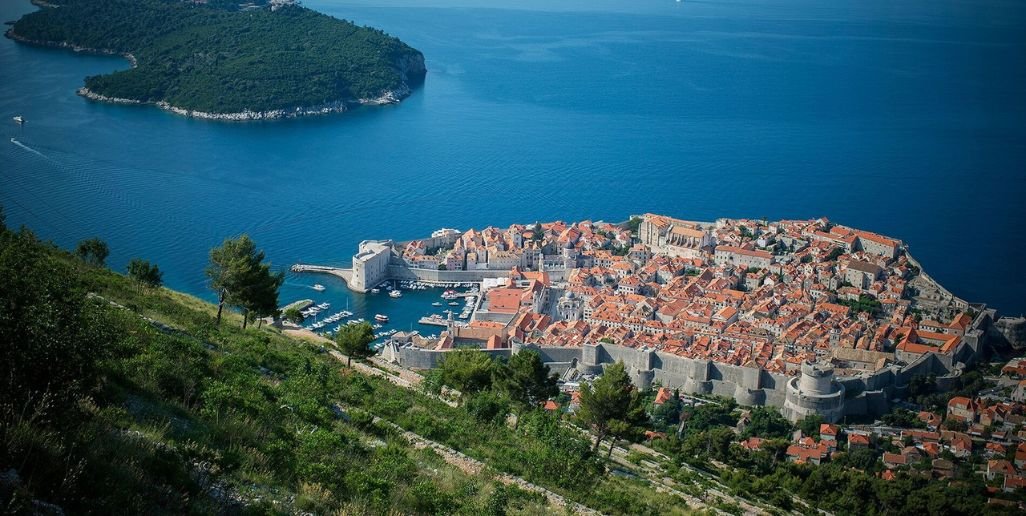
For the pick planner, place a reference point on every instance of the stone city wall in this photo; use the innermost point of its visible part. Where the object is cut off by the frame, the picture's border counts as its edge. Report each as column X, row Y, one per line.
column 867, row 394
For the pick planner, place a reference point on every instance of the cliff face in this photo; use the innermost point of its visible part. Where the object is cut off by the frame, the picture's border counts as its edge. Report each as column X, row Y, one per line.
column 412, row 69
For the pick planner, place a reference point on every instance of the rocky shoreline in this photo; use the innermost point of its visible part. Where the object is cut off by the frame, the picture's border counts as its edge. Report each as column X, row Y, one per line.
column 75, row 48
column 339, row 106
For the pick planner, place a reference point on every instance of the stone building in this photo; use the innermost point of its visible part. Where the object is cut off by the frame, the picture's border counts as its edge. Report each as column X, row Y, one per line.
column 726, row 254
column 862, row 274
column 370, row 264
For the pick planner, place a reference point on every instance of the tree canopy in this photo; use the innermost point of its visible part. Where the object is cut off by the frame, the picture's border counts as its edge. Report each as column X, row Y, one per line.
column 241, row 279
column 354, row 340
column 51, row 337
column 611, row 404
column 94, row 251
column 217, row 60
column 525, row 379
column 466, row 370
column 144, row 272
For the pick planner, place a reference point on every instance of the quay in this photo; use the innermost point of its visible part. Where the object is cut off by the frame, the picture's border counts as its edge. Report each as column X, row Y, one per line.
column 433, row 321
column 302, row 304
column 339, row 272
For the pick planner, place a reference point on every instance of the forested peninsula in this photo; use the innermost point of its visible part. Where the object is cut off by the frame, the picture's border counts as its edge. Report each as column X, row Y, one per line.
column 227, row 61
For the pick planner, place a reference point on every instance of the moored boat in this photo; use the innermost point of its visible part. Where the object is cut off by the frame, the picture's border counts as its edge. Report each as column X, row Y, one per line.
column 381, row 318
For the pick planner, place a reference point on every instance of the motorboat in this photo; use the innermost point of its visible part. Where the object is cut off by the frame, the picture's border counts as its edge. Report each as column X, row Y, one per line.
column 318, row 287
column 381, row 318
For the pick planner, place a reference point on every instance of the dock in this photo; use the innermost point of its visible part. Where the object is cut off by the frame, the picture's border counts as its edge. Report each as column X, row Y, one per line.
column 433, row 321
column 298, row 305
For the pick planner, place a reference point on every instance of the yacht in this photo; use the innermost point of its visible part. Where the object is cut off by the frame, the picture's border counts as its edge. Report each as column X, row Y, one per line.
column 395, row 294
column 318, row 287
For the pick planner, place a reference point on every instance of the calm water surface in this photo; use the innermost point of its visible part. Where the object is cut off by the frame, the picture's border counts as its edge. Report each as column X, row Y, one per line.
column 902, row 119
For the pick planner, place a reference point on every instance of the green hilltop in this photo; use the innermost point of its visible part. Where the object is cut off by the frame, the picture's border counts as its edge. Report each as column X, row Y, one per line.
column 220, row 60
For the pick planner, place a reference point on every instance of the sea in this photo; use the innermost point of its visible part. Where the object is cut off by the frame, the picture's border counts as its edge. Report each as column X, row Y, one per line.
column 903, row 118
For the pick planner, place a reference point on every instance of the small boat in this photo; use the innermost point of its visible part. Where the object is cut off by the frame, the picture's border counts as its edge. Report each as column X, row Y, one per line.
column 375, row 291
column 395, row 294
column 19, row 119
column 436, row 303
column 318, row 287
column 381, row 318
column 453, row 303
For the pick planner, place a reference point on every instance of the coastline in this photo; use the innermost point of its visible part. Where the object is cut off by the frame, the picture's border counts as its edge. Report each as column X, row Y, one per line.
column 65, row 45
column 339, row 106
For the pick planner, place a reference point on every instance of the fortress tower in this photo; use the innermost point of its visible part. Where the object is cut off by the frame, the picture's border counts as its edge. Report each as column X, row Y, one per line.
column 814, row 392
column 370, row 264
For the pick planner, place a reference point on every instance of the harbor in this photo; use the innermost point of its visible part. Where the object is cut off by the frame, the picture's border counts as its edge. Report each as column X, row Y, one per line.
column 390, row 307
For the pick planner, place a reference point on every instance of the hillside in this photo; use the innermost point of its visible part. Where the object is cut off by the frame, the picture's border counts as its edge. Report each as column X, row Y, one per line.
column 220, row 62
column 127, row 399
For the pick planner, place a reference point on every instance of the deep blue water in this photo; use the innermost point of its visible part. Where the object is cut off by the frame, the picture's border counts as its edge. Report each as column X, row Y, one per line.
column 903, row 119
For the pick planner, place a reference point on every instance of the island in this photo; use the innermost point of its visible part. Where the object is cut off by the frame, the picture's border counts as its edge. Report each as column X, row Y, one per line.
column 227, row 61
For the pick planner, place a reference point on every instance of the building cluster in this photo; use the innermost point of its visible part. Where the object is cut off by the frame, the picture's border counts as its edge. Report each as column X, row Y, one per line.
column 984, row 433
column 555, row 245
column 743, row 292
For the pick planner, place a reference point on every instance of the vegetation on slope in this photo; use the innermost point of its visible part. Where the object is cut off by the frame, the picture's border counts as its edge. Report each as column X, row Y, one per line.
column 218, row 60
column 846, row 485
column 103, row 412
column 149, row 406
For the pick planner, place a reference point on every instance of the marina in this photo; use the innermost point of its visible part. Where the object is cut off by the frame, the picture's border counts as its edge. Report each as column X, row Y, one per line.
column 409, row 305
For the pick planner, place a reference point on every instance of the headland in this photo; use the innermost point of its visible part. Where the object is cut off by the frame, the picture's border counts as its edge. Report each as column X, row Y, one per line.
column 806, row 315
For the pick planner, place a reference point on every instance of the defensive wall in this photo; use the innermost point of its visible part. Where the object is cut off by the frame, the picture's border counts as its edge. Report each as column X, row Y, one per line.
column 816, row 390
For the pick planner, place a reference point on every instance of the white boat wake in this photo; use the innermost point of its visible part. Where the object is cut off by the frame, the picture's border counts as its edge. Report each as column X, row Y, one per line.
column 30, row 149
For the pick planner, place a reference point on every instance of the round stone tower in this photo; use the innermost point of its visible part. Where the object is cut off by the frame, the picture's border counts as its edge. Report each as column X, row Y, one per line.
column 815, row 378
column 814, row 392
